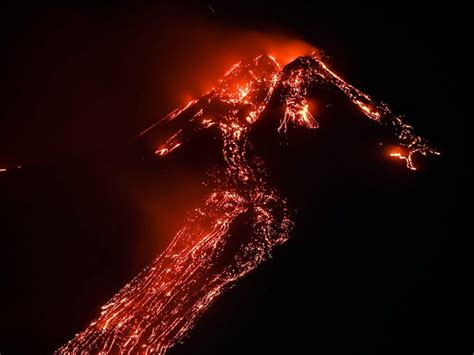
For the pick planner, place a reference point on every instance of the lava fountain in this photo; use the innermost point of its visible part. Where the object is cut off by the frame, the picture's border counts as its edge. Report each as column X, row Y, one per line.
column 160, row 305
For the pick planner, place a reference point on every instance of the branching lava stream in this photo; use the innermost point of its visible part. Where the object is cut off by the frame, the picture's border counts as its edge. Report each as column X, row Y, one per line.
column 158, row 307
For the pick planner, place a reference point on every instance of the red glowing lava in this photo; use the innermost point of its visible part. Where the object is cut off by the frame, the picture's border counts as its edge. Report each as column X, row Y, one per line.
column 159, row 306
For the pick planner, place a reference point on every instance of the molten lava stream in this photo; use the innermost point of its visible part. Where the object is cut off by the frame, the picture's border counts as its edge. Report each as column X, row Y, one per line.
column 160, row 305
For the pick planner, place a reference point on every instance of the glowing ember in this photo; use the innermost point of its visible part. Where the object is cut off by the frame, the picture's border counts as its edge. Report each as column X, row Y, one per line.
column 4, row 170
column 160, row 305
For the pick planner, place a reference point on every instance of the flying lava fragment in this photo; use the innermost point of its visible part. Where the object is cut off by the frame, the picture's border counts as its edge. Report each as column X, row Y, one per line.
column 159, row 307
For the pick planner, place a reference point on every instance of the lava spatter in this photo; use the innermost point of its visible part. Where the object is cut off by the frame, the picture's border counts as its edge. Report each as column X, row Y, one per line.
column 160, row 305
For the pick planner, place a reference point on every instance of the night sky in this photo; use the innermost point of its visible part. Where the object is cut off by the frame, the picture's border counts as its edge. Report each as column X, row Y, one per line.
column 372, row 264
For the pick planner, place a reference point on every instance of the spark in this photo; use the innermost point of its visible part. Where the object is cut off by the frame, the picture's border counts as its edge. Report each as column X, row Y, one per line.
column 4, row 170
column 210, row 8
column 159, row 307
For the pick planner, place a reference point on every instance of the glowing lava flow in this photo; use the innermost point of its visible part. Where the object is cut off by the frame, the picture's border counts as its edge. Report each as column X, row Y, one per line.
column 160, row 305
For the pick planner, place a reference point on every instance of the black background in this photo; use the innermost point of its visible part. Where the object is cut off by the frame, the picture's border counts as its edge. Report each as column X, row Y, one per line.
column 372, row 264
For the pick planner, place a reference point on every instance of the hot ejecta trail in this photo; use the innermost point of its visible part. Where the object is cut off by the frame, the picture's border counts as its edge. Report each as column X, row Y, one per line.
column 160, row 305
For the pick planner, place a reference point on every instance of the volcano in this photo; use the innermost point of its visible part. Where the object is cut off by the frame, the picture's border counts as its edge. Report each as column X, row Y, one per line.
column 244, row 217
